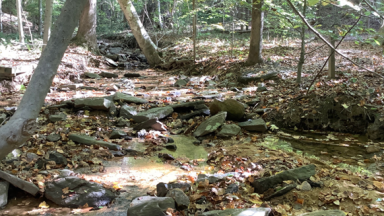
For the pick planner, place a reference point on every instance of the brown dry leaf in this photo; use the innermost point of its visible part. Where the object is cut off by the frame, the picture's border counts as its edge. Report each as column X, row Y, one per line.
column 379, row 185
column 65, row 190
column 174, row 115
column 203, row 184
column 81, row 211
column 43, row 205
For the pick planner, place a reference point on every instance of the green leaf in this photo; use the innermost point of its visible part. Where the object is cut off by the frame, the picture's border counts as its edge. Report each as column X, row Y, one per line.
column 67, row 125
column 377, row 42
column 312, row 2
column 296, row 26
column 22, row 87
column 345, row 106
column 274, row 127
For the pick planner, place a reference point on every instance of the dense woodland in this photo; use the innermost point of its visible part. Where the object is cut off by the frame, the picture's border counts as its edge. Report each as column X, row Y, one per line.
column 192, row 107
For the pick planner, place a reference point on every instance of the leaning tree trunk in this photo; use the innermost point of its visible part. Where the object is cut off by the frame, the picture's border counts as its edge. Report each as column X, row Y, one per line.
column 20, row 21
column 256, row 45
column 87, row 27
column 23, row 123
column 40, row 17
column 47, row 21
column 146, row 44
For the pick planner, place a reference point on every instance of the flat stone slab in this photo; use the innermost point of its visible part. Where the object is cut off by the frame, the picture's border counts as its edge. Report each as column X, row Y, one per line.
column 325, row 213
column 108, row 75
column 128, row 98
column 229, row 130
column 91, row 75
column 127, row 111
column 151, row 123
column 87, row 140
column 97, row 103
column 17, row 182
column 158, row 112
column 257, row 125
column 210, row 125
column 187, row 105
column 238, row 212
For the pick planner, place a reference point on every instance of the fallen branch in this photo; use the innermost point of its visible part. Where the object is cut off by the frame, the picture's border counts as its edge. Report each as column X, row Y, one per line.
column 325, row 41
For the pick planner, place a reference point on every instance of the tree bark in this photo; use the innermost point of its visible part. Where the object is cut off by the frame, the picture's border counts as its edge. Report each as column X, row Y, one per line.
column 40, row 17
column 87, row 27
column 256, row 45
column 194, row 31
column 159, row 14
column 20, row 21
column 1, row 17
column 47, row 21
column 146, row 44
column 302, row 53
column 332, row 61
column 23, row 123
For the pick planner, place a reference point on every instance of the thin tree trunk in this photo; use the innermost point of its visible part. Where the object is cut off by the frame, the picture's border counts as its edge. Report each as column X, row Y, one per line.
column 233, row 32
column 159, row 14
column 1, row 17
column 41, row 17
column 256, row 45
column 146, row 44
column 332, row 61
column 194, row 30
column 23, row 123
column 47, row 21
column 302, row 53
column 20, row 21
column 87, row 27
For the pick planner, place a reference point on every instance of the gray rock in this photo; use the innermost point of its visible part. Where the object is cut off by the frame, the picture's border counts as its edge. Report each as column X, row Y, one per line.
column 229, row 130
column 26, row 186
column 32, row 157
column 89, row 88
column 180, row 83
column 210, row 125
column 96, row 103
column 214, row 177
column 325, row 213
column 305, row 186
column 66, row 173
column 82, row 192
column 132, row 75
column 151, row 123
column 261, row 89
column 257, row 125
column 172, row 147
column 188, row 105
column 53, row 137
column 150, row 206
column 128, row 98
column 108, row 75
column 181, row 199
column 58, row 158
column 127, row 111
column 301, row 173
column 58, row 117
column 117, row 134
column 115, row 50
column 163, row 188
column 91, row 75
column 121, row 122
column 159, row 112
column 281, row 191
column 373, row 149
column 235, row 110
column 253, row 102
column 87, row 140
column 232, row 188
column 238, row 212
column 3, row 117
column 4, row 186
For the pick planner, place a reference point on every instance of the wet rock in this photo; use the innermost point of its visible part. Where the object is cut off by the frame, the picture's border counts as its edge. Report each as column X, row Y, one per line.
column 181, row 199
column 163, row 188
column 26, row 186
column 235, row 110
column 4, row 186
column 159, row 112
column 180, row 83
column 108, row 75
column 257, row 125
column 127, row 111
column 53, row 137
column 305, row 186
column 117, row 134
column 32, row 157
column 150, row 206
column 58, row 158
column 97, row 103
column 133, row 153
column 281, row 192
column 171, row 147
column 128, row 98
column 229, row 130
column 232, row 188
column 132, row 75
column 238, row 212
column 325, row 213
column 91, row 75
column 84, row 192
column 151, row 123
column 13, row 156
column 187, row 105
column 118, row 153
column 3, row 117
column 87, row 140
column 58, row 117
column 210, row 125
column 373, row 149
column 301, row 173
column 66, row 173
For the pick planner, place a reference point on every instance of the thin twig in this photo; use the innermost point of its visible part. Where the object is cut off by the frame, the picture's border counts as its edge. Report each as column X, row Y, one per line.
column 315, row 49
column 372, row 8
column 325, row 41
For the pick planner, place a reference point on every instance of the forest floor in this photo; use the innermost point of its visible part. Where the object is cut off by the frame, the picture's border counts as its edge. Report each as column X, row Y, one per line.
column 349, row 173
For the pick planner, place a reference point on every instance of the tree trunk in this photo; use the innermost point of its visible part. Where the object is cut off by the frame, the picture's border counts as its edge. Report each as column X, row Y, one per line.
column 159, row 14
column 332, row 61
column 41, row 17
column 1, row 17
column 20, row 21
column 256, row 45
column 87, row 27
column 47, row 21
column 146, row 44
column 194, row 30
column 302, row 54
column 23, row 123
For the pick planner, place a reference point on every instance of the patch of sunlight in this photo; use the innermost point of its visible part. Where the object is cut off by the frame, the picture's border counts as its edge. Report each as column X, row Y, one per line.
column 349, row 4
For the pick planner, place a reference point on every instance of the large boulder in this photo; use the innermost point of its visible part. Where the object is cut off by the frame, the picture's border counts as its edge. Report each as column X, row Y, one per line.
column 150, row 206
column 235, row 110
column 229, row 130
column 257, row 125
column 74, row 192
column 128, row 98
column 159, row 112
column 181, row 199
column 238, row 212
column 210, row 125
